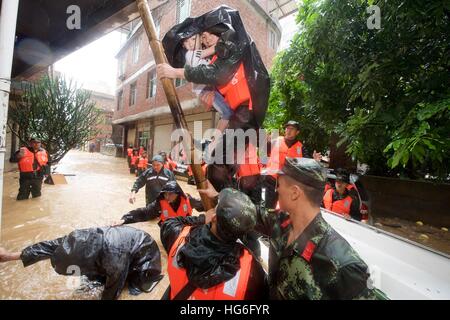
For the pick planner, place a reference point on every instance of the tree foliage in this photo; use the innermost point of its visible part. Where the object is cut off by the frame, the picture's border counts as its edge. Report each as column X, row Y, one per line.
column 56, row 111
column 384, row 91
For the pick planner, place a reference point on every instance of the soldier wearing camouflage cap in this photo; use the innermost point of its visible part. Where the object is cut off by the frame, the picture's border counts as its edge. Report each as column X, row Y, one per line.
column 205, row 260
column 308, row 259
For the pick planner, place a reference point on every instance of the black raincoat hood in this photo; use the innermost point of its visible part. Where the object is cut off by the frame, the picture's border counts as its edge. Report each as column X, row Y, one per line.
column 171, row 186
column 257, row 76
column 207, row 260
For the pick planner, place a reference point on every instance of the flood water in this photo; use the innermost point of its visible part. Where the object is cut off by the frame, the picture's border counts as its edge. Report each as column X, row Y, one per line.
column 96, row 195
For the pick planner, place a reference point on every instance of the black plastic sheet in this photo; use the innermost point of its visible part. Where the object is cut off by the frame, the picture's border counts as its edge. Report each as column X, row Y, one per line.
column 111, row 255
column 257, row 76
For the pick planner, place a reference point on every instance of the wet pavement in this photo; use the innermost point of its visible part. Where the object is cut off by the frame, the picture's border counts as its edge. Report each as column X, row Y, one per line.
column 96, row 195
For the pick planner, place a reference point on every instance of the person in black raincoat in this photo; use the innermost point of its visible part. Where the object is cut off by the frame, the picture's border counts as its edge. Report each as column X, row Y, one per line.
column 109, row 255
column 171, row 194
column 211, row 255
column 234, row 46
column 154, row 178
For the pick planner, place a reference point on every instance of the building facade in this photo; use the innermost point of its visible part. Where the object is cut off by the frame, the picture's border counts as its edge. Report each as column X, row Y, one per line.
column 105, row 103
column 142, row 116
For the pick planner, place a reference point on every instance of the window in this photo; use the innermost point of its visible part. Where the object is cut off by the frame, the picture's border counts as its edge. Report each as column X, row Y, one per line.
column 121, row 68
column 133, row 93
column 120, row 100
column 151, row 84
column 180, row 82
column 143, row 138
column 183, row 10
column 136, row 49
column 273, row 39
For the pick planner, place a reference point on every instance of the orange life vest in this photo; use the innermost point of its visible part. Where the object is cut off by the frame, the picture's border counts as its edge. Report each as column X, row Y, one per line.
column 141, row 149
column 251, row 165
column 327, row 187
column 134, row 159
column 130, row 152
column 340, row 206
column 170, row 165
column 236, row 92
column 184, row 209
column 279, row 152
column 190, row 173
column 26, row 162
column 233, row 289
column 173, row 164
column 143, row 163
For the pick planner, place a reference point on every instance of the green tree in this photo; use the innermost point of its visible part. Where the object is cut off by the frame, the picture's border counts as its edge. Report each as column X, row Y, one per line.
column 385, row 91
column 56, row 111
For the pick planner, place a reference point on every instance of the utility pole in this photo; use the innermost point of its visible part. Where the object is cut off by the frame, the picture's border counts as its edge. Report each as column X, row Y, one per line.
column 172, row 97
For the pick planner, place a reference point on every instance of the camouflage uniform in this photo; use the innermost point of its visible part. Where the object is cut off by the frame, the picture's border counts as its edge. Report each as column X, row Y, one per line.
column 320, row 264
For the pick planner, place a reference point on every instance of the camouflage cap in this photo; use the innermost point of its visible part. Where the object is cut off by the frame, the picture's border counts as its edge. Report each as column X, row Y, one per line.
column 305, row 170
column 292, row 123
column 236, row 214
column 34, row 139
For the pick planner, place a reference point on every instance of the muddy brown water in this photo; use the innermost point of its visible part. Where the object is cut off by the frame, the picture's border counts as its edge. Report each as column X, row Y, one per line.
column 95, row 196
column 429, row 236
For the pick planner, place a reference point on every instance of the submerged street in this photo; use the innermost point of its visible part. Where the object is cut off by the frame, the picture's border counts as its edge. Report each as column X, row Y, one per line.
column 96, row 195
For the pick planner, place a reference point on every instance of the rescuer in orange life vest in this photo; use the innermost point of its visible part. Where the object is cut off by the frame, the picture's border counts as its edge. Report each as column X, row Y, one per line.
column 343, row 200
column 129, row 154
column 134, row 161
column 32, row 161
column 205, row 260
column 171, row 202
column 142, row 163
column 248, row 173
column 280, row 148
column 169, row 164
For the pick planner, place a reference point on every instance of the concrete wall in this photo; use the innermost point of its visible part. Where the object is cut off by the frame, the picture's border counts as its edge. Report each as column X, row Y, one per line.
column 409, row 200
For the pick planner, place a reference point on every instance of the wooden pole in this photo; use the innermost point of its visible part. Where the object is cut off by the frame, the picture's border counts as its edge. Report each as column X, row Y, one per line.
column 172, row 97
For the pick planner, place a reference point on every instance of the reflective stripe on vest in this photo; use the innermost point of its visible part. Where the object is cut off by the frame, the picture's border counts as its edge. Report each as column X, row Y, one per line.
column 26, row 162
column 184, row 209
column 233, row 289
column 236, row 92
column 339, row 206
column 279, row 152
column 251, row 165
